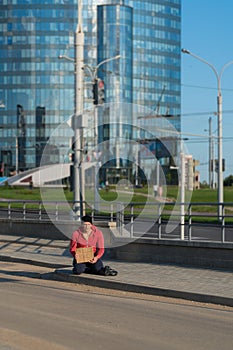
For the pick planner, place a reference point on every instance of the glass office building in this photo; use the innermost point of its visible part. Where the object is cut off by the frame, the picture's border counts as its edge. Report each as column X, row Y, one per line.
column 37, row 89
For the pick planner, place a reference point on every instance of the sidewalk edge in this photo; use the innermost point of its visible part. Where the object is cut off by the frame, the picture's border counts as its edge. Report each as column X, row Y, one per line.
column 139, row 288
column 32, row 262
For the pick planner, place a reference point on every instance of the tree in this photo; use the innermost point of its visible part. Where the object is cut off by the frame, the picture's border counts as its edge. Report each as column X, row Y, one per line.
column 228, row 181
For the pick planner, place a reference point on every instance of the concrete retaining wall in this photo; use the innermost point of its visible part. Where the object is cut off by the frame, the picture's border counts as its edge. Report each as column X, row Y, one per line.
column 33, row 229
column 199, row 254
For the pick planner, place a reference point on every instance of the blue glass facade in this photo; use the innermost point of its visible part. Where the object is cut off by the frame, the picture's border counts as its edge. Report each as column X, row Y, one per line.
column 156, row 38
column 34, row 33
column 115, row 37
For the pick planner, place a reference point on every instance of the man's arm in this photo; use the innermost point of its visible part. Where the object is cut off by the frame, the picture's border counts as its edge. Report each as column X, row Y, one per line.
column 99, row 245
column 73, row 245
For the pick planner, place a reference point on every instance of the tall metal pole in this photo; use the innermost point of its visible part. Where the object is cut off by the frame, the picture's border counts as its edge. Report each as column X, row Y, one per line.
column 211, row 160
column 97, row 158
column 219, row 112
column 182, row 194
column 220, row 159
column 137, row 164
column 16, row 155
column 157, row 175
column 93, row 71
column 77, row 122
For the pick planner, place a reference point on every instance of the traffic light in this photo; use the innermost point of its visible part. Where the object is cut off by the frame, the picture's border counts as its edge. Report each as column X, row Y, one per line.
column 216, row 165
column 20, row 116
column 71, row 178
column 95, row 92
column 101, row 92
column 72, row 157
column 98, row 92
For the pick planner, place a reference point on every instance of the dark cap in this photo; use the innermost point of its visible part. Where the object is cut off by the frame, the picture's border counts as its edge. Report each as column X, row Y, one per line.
column 86, row 218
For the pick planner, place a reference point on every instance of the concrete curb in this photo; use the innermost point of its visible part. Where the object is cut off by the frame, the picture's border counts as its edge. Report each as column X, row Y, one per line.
column 110, row 283
column 32, row 262
column 63, row 273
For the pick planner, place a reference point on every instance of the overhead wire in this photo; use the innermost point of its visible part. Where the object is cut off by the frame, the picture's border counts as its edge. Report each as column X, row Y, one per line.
column 206, row 88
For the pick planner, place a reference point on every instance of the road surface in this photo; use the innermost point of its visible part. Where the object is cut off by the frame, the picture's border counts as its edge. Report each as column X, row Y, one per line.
column 42, row 314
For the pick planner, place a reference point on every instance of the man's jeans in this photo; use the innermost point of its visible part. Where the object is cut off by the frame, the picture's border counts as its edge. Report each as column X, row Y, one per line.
column 96, row 268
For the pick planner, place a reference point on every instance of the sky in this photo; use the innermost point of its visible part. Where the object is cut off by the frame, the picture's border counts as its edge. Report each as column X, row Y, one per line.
column 207, row 31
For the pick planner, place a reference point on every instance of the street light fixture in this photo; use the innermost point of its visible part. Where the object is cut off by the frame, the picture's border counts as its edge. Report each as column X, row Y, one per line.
column 66, row 58
column 77, row 120
column 219, row 113
column 94, row 70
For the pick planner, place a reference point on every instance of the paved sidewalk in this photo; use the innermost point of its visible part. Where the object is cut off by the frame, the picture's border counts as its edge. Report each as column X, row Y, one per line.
column 204, row 285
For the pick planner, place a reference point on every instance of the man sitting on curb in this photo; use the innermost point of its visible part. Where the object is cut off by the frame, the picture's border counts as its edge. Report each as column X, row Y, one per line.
column 89, row 236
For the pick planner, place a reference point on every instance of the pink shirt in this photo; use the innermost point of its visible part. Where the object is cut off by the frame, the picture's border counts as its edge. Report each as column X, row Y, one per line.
column 95, row 240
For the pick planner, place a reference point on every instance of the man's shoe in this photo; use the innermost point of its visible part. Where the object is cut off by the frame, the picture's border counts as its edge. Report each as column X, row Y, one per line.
column 109, row 272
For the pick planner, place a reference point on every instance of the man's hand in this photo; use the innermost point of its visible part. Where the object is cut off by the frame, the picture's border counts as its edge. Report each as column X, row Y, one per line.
column 94, row 260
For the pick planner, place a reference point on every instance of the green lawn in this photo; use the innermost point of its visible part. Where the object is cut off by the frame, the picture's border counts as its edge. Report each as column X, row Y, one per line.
column 19, row 193
column 139, row 194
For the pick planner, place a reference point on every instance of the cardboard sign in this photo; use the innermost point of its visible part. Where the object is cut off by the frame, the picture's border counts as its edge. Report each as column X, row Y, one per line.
column 84, row 254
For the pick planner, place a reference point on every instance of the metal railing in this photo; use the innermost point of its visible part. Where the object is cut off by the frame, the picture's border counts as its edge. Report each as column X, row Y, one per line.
column 134, row 220
column 200, row 221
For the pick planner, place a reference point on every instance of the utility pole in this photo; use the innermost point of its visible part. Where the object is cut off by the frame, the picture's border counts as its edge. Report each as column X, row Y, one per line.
column 182, row 194
column 219, row 114
column 16, row 155
column 97, row 85
column 211, row 156
column 77, row 121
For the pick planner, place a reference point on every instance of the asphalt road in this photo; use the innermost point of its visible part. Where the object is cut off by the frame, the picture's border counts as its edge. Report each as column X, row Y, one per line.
column 43, row 314
column 199, row 231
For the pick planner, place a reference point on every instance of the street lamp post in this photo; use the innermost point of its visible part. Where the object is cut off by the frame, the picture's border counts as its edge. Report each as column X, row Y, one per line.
column 211, row 160
column 16, row 155
column 181, row 169
column 93, row 71
column 77, row 120
column 219, row 113
column 211, row 156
